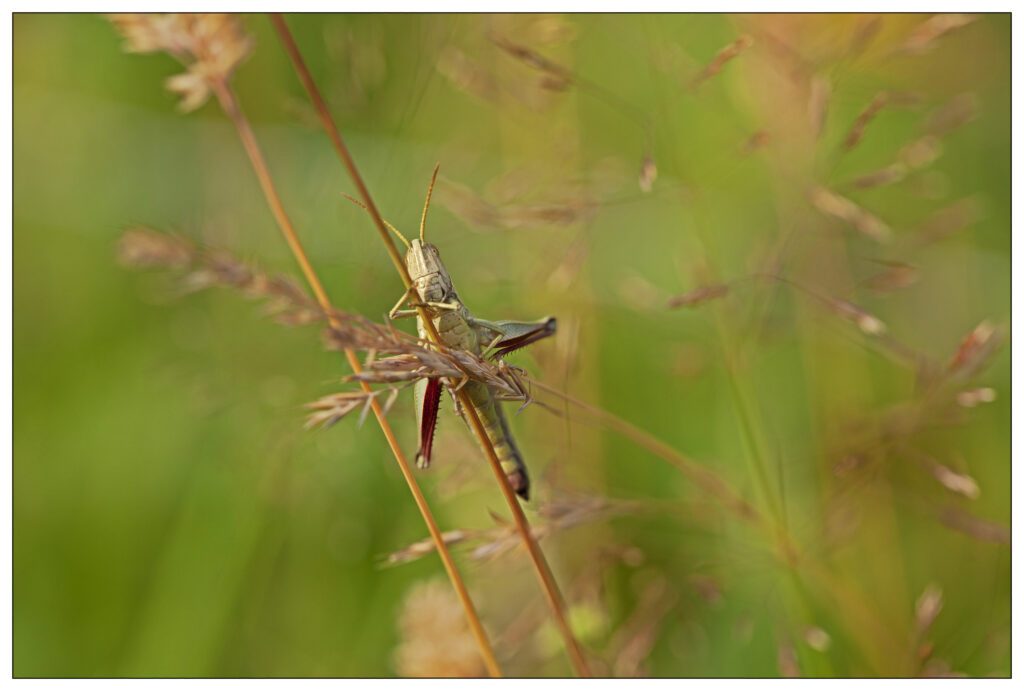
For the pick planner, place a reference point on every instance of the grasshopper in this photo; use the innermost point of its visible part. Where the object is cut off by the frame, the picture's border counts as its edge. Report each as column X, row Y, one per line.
column 433, row 290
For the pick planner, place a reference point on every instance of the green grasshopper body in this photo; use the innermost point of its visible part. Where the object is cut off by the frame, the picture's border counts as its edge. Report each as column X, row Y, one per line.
column 458, row 329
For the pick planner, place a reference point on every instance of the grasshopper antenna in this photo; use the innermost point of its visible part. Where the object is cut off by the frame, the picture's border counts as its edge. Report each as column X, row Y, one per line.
column 390, row 227
column 426, row 204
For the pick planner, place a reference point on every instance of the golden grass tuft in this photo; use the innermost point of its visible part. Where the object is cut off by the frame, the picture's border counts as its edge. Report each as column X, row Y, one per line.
column 434, row 640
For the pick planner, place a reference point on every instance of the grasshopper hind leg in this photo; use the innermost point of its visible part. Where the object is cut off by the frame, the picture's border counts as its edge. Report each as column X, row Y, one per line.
column 428, row 399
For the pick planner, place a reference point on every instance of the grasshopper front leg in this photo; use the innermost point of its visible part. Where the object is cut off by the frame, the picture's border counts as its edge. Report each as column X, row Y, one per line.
column 397, row 312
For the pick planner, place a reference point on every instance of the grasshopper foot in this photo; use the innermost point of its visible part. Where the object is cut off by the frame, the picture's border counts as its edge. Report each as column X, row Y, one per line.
column 422, row 460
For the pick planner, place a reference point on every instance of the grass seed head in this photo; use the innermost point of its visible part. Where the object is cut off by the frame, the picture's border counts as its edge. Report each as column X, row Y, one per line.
column 975, row 527
column 923, row 38
column 722, row 57
column 958, row 483
column 860, row 219
column 927, row 608
column 975, row 397
column 648, row 174
column 895, row 276
column 435, row 640
column 699, row 296
column 210, row 46
column 818, row 102
column 957, row 112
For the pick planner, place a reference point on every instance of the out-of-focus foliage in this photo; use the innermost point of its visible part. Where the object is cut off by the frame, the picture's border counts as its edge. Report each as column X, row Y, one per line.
column 825, row 201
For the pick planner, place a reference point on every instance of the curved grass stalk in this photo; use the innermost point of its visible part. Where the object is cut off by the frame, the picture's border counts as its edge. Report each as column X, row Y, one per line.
column 547, row 580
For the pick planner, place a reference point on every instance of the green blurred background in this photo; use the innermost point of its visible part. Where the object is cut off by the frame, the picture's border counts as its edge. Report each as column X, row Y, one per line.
column 173, row 518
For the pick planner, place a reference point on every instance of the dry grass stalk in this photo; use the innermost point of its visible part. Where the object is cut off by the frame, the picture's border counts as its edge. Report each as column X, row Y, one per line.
column 948, row 220
column 860, row 219
column 699, row 296
column 217, row 46
column 865, row 32
column 975, row 351
column 415, row 361
column 866, row 322
column 894, row 432
column 864, row 118
column 935, row 668
column 639, row 293
column 503, row 538
column 549, row 586
column 789, row 664
column 702, row 477
column 797, row 69
column 918, row 154
column 477, row 211
column 972, row 398
column 956, row 113
column 923, row 37
column 972, row 526
column 881, row 100
column 648, row 174
column 328, row 410
column 927, row 608
column 203, row 268
column 958, row 483
column 558, row 78
column 889, row 175
column 817, row 638
column 721, row 59
column 921, row 152
column 635, row 638
column 817, row 103
column 422, row 548
column 557, row 516
column 895, row 276
column 467, row 76
column 143, row 248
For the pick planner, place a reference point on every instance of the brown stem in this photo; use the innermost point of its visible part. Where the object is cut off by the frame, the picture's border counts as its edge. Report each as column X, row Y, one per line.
column 229, row 103
column 548, row 584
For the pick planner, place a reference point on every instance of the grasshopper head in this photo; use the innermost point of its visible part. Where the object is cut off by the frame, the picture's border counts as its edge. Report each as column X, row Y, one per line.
column 423, row 259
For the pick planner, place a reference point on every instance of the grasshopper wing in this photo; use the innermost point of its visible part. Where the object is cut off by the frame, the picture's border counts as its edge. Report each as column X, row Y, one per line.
column 428, row 399
column 515, row 335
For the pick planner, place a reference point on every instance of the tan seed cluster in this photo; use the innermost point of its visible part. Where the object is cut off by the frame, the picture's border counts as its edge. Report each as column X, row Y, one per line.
column 210, row 46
